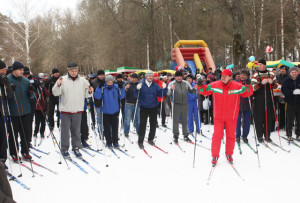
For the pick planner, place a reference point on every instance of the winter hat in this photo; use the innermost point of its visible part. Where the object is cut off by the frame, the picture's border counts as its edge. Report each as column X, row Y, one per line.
column 178, row 73
column 26, row 71
column 134, row 75
column 109, row 78
column 55, row 70
column 285, row 67
column 149, row 72
column 17, row 65
column 2, row 65
column 293, row 68
column 41, row 75
column 119, row 76
column 155, row 74
column 226, row 72
column 72, row 65
column 92, row 76
column 100, row 72
column 211, row 77
column 190, row 76
column 262, row 61
column 244, row 72
column 9, row 70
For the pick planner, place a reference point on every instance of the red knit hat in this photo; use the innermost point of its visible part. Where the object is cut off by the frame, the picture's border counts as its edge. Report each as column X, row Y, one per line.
column 227, row 72
column 155, row 74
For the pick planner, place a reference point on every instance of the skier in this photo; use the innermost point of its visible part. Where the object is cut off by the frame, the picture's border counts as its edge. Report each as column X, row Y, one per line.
column 263, row 81
column 5, row 93
column 53, row 101
column 149, row 91
column 130, row 105
column 291, row 90
column 161, row 100
column 244, row 113
column 226, row 97
column 73, row 90
column 20, row 111
column 281, row 104
column 99, row 82
column 179, row 88
column 193, row 108
column 110, row 95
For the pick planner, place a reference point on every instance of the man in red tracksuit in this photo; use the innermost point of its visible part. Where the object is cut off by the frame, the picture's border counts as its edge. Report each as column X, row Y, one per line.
column 226, row 102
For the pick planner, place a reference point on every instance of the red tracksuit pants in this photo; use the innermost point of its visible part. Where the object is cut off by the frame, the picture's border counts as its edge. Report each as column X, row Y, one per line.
column 230, row 127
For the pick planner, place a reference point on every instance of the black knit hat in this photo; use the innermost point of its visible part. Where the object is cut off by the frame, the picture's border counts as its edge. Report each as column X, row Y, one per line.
column 262, row 61
column 100, row 72
column 17, row 65
column 178, row 73
column 134, row 75
column 244, row 72
column 55, row 70
column 9, row 70
column 190, row 76
column 2, row 65
column 26, row 71
column 119, row 76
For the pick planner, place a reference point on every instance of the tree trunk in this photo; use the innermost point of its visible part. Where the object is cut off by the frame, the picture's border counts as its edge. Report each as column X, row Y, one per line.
column 282, row 29
column 261, row 23
column 297, row 29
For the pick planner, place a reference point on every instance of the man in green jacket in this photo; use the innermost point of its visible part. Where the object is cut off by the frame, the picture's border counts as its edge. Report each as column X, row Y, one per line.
column 20, row 112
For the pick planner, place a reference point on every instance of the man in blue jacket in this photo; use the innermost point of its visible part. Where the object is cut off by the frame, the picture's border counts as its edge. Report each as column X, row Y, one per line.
column 193, row 108
column 291, row 90
column 20, row 112
column 149, row 91
column 110, row 95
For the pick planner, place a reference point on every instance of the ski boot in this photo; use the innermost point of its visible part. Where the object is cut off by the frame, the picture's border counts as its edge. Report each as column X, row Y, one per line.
column 26, row 156
column 245, row 140
column 229, row 159
column 238, row 140
column 141, row 146
column 77, row 152
column 187, row 139
column 214, row 161
column 290, row 139
column 151, row 142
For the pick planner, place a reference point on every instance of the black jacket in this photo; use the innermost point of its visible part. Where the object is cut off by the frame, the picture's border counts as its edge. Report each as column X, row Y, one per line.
column 288, row 86
column 49, row 85
column 129, row 97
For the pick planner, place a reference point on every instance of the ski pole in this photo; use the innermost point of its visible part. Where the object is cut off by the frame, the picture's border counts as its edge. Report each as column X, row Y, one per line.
column 266, row 116
column 255, row 134
column 23, row 131
column 134, row 115
column 271, row 90
column 195, row 146
column 96, row 140
column 6, row 131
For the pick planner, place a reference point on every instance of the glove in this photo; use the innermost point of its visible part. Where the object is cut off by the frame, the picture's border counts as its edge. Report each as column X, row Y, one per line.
column 13, row 87
column 296, row 92
column 31, row 88
column 199, row 82
column 120, row 85
column 243, row 89
column 139, row 86
column 93, row 126
column 164, row 85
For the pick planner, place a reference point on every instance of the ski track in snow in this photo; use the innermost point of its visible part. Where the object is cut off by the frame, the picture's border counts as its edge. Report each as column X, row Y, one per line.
column 166, row 177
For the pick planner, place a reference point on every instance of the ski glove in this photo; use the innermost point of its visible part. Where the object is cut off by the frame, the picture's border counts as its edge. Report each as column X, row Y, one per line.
column 139, row 86
column 296, row 91
column 164, row 85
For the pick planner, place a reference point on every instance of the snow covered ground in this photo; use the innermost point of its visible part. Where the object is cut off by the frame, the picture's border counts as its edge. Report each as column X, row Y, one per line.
column 166, row 177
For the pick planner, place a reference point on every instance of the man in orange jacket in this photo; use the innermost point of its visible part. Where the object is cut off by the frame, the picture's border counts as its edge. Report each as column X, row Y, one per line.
column 226, row 100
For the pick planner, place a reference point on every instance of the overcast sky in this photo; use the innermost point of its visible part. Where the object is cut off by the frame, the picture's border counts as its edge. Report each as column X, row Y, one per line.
column 40, row 6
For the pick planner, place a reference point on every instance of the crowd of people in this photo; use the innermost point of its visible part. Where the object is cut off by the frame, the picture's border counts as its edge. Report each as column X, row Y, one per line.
column 226, row 99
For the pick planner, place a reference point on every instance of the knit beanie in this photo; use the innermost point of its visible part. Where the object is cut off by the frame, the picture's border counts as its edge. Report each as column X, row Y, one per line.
column 109, row 78
column 119, row 76
column 100, row 72
column 2, row 65
column 26, row 71
column 17, row 65
column 55, row 70
column 178, row 73
column 262, row 61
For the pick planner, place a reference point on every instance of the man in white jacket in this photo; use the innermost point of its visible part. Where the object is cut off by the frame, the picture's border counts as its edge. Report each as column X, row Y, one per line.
column 72, row 90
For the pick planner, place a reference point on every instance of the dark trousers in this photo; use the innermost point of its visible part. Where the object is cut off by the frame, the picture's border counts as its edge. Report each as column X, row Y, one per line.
column 281, row 115
column 39, row 123
column 243, row 119
column 92, row 110
column 3, row 141
column 19, row 122
column 292, row 112
column 51, row 110
column 260, row 121
column 163, row 113
column 144, row 113
column 84, row 129
column 111, row 125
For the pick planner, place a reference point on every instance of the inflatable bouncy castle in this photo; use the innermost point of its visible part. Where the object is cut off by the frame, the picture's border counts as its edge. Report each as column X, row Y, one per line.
column 193, row 56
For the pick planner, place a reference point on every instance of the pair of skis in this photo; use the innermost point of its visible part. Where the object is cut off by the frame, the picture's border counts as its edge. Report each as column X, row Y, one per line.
column 212, row 170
